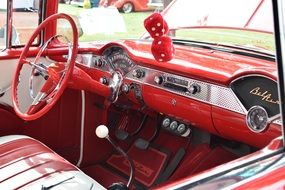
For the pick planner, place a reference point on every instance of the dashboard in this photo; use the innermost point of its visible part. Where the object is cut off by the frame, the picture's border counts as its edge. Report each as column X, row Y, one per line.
column 246, row 110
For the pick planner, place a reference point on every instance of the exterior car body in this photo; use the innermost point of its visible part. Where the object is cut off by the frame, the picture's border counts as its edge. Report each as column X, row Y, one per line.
column 127, row 6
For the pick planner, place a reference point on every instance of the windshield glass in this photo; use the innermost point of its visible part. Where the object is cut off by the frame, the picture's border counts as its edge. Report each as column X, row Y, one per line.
column 208, row 21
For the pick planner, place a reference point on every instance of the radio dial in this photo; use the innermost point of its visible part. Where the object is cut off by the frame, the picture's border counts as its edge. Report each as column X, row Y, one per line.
column 158, row 79
column 166, row 122
column 125, row 88
column 104, row 80
column 139, row 73
column 194, row 88
column 173, row 125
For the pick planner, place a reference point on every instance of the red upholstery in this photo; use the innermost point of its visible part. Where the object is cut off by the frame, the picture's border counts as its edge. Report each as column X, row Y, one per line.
column 27, row 163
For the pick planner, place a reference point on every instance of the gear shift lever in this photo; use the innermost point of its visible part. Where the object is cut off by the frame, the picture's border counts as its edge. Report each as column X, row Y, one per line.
column 103, row 132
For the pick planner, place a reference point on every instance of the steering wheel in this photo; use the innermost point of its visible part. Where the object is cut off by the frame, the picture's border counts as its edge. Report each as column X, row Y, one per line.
column 56, row 75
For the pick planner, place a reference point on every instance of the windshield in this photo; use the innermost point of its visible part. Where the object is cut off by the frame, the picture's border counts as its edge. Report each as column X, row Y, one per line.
column 208, row 21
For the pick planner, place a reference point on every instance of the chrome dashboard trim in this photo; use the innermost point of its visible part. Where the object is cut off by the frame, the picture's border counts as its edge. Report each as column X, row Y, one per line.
column 216, row 95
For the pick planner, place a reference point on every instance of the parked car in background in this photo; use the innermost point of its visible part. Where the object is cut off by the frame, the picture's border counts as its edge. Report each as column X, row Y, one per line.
column 127, row 6
column 157, row 4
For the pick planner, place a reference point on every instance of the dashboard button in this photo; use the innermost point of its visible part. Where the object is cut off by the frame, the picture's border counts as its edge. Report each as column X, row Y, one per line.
column 158, row 79
column 139, row 73
column 103, row 80
column 173, row 125
column 166, row 122
column 125, row 88
column 194, row 88
column 181, row 128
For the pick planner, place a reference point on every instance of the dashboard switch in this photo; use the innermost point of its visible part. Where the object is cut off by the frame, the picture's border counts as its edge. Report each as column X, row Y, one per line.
column 181, row 128
column 125, row 88
column 158, row 79
column 194, row 88
column 103, row 80
column 139, row 73
column 173, row 125
column 166, row 122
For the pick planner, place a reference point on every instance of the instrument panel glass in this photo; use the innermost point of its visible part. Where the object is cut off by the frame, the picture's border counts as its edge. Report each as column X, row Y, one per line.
column 119, row 60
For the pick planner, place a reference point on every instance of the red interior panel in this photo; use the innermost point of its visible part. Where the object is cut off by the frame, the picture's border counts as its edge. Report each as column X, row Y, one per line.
column 236, row 128
column 193, row 112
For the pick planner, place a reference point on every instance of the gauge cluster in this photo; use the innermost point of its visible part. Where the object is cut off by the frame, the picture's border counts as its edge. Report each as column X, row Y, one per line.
column 119, row 60
column 112, row 59
column 255, row 97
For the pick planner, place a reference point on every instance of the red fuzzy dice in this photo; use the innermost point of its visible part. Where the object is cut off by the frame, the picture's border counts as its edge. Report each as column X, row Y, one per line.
column 156, row 25
column 162, row 48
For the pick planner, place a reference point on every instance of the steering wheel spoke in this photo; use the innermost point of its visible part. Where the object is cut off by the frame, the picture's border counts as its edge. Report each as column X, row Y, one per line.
column 38, row 103
column 56, row 75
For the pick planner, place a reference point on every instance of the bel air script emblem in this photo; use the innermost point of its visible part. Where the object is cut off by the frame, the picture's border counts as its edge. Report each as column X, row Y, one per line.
column 265, row 95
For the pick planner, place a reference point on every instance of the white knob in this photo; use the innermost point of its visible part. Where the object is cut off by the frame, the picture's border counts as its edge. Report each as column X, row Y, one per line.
column 102, row 131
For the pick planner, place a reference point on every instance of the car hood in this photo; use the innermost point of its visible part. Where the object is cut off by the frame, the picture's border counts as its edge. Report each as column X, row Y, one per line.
column 209, row 13
column 203, row 64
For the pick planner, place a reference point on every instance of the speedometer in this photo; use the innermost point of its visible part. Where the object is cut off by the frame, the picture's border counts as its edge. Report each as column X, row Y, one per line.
column 257, row 119
column 119, row 60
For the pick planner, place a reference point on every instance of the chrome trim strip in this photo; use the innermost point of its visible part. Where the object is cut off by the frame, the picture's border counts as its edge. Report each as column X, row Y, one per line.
column 9, row 24
column 5, row 89
column 82, row 126
column 216, row 95
column 212, row 94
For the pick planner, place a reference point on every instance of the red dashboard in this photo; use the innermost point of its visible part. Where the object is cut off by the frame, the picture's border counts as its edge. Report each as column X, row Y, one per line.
column 211, row 90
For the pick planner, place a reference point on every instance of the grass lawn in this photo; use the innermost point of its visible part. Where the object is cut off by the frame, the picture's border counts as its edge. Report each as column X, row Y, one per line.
column 133, row 22
column 238, row 37
column 135, row 28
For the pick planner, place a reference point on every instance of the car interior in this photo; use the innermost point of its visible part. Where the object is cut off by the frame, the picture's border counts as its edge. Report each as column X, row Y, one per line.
column 111, row 112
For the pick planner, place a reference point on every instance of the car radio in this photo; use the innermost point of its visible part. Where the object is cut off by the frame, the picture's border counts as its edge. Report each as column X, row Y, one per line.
column 176, row 83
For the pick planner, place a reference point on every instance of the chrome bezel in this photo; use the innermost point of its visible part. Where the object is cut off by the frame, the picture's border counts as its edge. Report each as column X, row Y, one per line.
column 249, row 121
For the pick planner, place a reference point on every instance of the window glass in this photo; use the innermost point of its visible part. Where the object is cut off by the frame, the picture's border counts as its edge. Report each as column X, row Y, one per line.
column 107, row 20
column 3, row 20
column 25, row 20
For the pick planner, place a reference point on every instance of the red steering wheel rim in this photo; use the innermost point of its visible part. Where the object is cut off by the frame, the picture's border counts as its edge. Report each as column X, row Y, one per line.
column 68, row 73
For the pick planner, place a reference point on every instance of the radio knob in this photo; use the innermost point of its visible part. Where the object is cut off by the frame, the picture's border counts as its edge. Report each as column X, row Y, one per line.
column 125, row 88
column 173, row 125
column 181, row 128
column 103, row 80
column 194, row 88
column 166, row 122
column 99, row 63
column 138, row 73
column 158, row 79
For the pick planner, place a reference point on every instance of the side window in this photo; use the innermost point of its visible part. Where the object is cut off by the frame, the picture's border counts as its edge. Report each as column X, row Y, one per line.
column 25, row 19
column 3, row 20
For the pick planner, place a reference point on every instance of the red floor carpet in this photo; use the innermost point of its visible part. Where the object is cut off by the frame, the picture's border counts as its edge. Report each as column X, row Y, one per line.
column 148, row 164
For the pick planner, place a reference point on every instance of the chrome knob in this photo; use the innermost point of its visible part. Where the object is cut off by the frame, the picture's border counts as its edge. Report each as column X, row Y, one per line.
column 158, row 79
column 166, row 122
column 181, row 128
column 173, row 125
column 103, row 80
column 139, row 73
column 194, row 88
column 126, row 88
